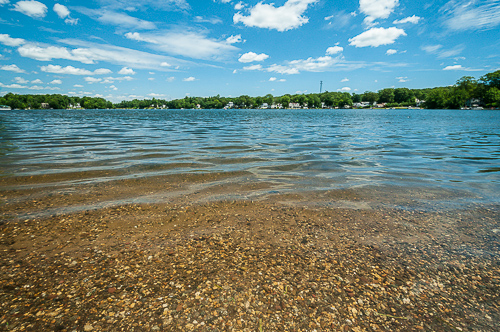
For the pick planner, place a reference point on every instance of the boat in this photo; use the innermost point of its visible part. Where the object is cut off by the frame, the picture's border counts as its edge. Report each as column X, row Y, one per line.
column 5, row 108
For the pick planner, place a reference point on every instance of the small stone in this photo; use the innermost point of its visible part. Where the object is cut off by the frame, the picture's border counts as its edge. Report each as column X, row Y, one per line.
column 88, row 327
column 111, row 290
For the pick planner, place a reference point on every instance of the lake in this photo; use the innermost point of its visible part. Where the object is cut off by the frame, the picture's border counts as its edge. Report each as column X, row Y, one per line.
column 412, row 159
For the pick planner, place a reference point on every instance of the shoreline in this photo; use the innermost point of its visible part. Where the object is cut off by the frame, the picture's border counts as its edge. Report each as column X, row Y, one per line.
column 278, row 263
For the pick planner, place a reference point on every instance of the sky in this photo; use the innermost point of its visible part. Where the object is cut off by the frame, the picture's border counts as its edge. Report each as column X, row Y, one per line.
column 170, row 49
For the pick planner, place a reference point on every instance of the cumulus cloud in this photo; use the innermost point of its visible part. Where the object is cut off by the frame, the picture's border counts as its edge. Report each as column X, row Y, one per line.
column 56, row 82
column 251, row 57
column 91, row 80
column 186, row 43
column 189, row 79
column 376, row 37
column 377, row 9
column 8, row 41
column 391, row 52
column 287, row 17
column 253, row 67
column 234, row 39
column 20, row 80
column 37, row 81
column 70, row 70
column 334, row 50
column 460, row 67
column 63, row 12
column 345, row 80
column 126, row 71
column 345, row 89
column 460, row 15
column 13, row 68
column 31, row 8
column 412, row 19
column 4, row 2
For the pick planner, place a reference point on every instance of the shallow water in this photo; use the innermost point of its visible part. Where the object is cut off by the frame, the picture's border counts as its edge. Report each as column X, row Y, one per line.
column 433, row 158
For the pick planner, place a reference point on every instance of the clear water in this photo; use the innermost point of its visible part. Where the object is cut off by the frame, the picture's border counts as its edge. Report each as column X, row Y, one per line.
column 428, row 150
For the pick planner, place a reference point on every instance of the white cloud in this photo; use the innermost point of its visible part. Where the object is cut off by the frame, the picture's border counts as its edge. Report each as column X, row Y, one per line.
column 170, row 79
column 459, row 67
column 334, row 50
column 78, row 86
column 345, row 89
column 33, row 51
column 376, row 37
column 13, row 68
column 287, row 17
column 462, row 15
column 112, row 87
column 234, row 39
column 345, row 80
column 71, row 21
column 377, row 9
column 56, row 82
column 70, row 70
column 90, row 53
column 165, row 64
column 443, row 53
column 156, row 95
column 137, row 36
column 20, row 80
column 4, row 2
column 213, row 20
column 126, row 71
column 31, row 8
column 253, row 67
column 391, row 52
column 251, row 57
column 189, row 79
column 115, row 18
column 37, row 81
column 186, row 43
column 134, row 5
column 280, row 69
column 61, row 10
column 8, row 41
column 34, row 87
column 272, row 79
column 151, row 79
column 402, row 79
column 239, row 6
column 412, row 19
column 92, row 80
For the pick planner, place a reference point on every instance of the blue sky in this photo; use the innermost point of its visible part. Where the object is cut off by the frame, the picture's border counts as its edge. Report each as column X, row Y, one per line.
column 126, row 49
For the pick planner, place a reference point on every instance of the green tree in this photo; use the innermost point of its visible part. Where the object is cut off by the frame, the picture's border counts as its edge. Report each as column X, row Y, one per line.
column 386, row 96
column 492, row 97
column 492, row 80
column 370, row 97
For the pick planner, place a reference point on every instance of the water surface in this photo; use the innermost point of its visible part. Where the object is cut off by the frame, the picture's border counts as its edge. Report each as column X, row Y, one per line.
column 446, row 157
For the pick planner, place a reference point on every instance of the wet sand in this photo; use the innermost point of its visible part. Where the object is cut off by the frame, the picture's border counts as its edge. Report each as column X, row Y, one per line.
column 211, row 252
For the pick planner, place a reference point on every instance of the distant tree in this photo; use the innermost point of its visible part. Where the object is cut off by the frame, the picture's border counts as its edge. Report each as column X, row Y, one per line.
column 403, row 95
column 370, row 97
column 386, row 96
column 492, row 80
column 492, row 97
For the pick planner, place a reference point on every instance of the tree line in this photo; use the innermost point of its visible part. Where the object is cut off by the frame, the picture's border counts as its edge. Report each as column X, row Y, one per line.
column 466, row 92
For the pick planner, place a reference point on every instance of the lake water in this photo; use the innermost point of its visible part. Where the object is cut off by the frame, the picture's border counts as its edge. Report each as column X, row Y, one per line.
column 433, row 158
